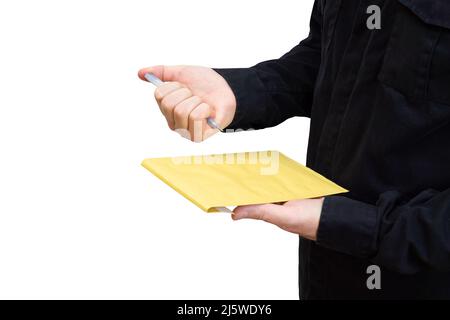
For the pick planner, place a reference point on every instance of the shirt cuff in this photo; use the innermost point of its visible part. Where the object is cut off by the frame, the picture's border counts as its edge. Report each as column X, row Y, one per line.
column 249, row 93
column 348, row 226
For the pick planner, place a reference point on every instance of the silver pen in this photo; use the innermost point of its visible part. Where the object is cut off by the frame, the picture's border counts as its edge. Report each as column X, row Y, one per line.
column 150, row 77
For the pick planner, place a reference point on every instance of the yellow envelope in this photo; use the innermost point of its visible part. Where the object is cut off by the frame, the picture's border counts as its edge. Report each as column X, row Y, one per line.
column 234, row 179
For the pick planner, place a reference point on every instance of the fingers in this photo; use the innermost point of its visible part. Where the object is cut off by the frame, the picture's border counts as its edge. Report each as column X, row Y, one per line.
column 170, row 101
column 183, row 110
column 301, row 217
column 168, row 96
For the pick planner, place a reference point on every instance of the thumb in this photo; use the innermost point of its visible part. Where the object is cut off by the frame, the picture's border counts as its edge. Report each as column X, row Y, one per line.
column 266, row 212
column 165, row 73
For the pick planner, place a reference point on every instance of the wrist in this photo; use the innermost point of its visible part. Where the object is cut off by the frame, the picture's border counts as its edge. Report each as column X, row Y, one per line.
column 312, row 219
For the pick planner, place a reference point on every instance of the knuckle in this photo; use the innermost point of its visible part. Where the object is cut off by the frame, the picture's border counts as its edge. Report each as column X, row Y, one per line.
column 205, row 107
column 196, row 100
column 166, row 103
column 263, row 213
column 197, row 113
column 194, row 116
column 179, row 113
column 166, row 110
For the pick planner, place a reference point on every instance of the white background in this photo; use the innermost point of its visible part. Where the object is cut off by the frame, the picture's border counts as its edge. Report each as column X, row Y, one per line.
column 79, row 216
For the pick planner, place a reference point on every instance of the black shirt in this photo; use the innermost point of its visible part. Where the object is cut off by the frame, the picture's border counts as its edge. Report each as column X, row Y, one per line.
column 379, row 103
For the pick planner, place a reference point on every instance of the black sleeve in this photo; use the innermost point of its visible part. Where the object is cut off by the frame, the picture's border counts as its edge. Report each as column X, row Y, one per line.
column 404, row 237
column 273, row 91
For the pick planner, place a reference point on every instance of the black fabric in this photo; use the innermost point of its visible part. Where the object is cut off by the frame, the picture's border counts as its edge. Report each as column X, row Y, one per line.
column 433, row 12
column 379, row 103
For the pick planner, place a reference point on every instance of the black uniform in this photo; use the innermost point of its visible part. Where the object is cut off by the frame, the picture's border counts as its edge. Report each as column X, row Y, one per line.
column 379, row 103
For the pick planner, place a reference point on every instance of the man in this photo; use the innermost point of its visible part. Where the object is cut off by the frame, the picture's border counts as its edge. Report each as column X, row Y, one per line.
column 378, row 97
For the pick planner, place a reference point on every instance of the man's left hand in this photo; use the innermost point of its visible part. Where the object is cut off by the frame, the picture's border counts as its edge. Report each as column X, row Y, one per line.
column 297, row 216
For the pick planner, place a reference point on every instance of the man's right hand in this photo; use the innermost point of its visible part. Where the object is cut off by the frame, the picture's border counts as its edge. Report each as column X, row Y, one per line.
column 189, row 96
